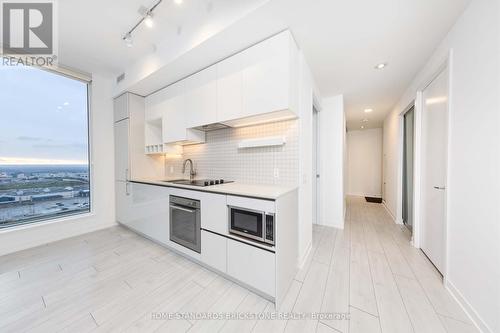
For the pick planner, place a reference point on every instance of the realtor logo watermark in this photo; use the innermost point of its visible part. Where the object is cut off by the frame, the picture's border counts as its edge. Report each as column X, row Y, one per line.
column 28, row 33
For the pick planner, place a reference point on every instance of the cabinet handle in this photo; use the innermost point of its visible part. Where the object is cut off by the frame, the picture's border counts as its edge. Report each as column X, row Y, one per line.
column 439, row 188
column 126, row 174
column 126, row 188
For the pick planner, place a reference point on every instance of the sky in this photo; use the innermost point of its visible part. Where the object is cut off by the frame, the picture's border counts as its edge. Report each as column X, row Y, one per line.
column 43, row 117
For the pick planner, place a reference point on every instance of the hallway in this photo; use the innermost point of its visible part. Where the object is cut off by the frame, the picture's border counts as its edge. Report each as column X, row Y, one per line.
column 385, row 283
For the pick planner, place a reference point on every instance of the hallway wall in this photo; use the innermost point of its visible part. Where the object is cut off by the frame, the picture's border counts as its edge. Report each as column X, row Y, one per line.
column 364, row 154
column 473, row 227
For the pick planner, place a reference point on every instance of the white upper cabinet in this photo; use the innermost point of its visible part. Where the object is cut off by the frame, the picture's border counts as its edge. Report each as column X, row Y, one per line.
column 266, row 77
column 201, row 98
column 170, row 104
column 230, row 88
column 260, row 80
column 257, row 85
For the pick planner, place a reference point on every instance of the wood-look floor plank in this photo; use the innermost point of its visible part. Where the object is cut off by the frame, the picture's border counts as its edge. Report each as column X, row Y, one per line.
column 392, row 312
column 363, row 322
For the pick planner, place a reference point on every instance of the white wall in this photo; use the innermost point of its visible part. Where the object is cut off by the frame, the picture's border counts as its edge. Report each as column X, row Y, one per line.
column 103, row 212
column 473, row 270
column 331, row 155
column 364, row 155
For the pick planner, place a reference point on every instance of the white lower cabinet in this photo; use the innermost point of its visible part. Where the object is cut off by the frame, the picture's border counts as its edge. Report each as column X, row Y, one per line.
column 148, row 212
column 252, row 266
column 122, row 201
column 214, row 251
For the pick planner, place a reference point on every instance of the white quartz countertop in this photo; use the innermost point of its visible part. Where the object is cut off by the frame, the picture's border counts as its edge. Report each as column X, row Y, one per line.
column 270, row 192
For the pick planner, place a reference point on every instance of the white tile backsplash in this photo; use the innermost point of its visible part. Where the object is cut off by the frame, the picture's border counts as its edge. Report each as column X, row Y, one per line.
column 220, row 157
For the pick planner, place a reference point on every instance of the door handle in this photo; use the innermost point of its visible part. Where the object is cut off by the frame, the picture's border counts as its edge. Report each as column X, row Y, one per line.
column 439, row 188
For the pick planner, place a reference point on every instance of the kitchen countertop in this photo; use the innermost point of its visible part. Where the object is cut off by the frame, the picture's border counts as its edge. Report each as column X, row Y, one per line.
column 268, row 192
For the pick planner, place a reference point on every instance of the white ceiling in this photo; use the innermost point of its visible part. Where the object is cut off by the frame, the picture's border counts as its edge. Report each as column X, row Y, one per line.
column 342, row 40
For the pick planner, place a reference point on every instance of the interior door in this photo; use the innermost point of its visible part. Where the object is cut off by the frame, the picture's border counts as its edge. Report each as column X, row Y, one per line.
column 434, row 169
column 315, row 171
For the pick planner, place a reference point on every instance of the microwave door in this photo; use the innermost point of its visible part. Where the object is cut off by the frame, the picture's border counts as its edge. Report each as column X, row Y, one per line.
column 247, row 223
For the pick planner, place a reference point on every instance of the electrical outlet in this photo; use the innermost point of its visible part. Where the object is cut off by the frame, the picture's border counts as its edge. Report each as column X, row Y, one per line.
column 276, row 173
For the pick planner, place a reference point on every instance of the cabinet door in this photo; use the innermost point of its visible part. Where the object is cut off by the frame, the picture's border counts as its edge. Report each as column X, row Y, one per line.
column 266, row 76
column 201, row 98
column 229, row 89
column 122, row 203
column 252, row 266
column 174, row 115
column 214, row 251
column 120, row 107
column 122, row 166
column 214, row 213
column 149, row 211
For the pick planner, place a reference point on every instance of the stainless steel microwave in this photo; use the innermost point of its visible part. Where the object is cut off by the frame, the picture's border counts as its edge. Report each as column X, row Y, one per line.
column 252, row 224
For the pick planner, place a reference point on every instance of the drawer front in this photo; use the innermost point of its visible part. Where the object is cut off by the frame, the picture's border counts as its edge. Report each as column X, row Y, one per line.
column 214, row 251
column 252, row 266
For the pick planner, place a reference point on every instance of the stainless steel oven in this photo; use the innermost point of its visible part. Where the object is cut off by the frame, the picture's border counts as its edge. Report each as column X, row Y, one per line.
column 252, row 224
column 185, row 222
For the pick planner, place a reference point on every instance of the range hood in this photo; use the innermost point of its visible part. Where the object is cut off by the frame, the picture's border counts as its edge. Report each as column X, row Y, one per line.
column 211, row 127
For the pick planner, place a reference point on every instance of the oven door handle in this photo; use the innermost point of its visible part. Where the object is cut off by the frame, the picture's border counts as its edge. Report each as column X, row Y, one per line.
column 183, row 209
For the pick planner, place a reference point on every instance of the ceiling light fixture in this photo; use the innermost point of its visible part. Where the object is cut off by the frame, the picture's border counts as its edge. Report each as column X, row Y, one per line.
column 147, row 18
column 128, row 39
column 362, row 127
column 178, row 2
column 382, row 65
column 365, row 120
column 368, row 110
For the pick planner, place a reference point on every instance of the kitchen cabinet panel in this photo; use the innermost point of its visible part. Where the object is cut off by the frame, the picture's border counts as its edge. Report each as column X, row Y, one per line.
column 252, row 266
column 201, row 98
column 214, row 213
column 122, row 201
column 266, row 76
column 214, row 250
column 230, row 88
column 122, row 164
column 149, row 211
column 120, row 107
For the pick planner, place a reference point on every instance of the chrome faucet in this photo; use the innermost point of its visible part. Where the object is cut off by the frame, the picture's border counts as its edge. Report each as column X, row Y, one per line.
column 192, row 172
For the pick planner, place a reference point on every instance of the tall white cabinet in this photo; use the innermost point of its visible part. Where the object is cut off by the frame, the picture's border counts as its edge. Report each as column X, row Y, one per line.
column 130, row 160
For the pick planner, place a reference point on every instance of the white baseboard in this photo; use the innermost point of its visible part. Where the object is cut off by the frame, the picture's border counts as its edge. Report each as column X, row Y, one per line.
column 365, row 195
column 389, row 211
column 467, row 307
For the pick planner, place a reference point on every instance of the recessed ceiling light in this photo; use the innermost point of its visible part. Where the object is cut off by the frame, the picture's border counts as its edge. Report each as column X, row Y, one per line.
column 148, row 20
column 66, row 104
column 59, row 107
column 382, row 65
column 365, row 120
column 362, row 127
column 178, row 2
column 368, row 110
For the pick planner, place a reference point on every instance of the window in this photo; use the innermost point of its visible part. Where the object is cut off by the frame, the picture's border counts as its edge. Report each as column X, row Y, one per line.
column 44, row 146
